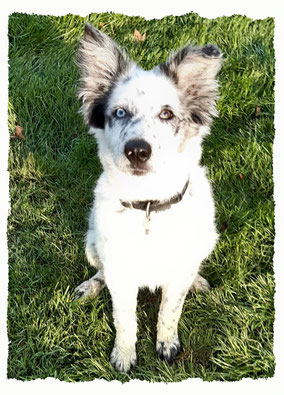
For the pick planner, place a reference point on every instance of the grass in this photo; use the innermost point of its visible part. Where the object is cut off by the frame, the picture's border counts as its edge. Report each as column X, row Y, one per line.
column 226, row 334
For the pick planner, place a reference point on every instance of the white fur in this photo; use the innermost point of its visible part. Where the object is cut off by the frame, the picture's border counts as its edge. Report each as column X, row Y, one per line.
column 179, row 239
column 169, row 256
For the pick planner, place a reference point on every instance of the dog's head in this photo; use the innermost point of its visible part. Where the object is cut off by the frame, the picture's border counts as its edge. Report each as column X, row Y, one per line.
column 144, row 119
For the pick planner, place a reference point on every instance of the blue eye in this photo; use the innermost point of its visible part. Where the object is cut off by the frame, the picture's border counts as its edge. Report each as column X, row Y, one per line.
column 120, row 113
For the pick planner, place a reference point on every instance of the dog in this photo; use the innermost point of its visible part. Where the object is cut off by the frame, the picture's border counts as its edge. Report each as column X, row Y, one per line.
column 153, row 218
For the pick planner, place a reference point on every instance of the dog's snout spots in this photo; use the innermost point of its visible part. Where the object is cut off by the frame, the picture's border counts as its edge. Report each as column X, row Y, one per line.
column 140, row 92
column 137, row 152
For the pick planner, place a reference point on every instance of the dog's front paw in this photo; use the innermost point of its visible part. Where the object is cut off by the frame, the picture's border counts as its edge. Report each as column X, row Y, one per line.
column 123, row 359
column 168, row 350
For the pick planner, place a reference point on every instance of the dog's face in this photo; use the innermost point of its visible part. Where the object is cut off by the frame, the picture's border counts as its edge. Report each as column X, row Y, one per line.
column 143, row 123
column 144, row 119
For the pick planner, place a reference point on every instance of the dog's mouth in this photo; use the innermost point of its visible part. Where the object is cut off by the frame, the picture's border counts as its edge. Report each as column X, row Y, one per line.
column 132, row 170
column 139, row 172
column 140, row 169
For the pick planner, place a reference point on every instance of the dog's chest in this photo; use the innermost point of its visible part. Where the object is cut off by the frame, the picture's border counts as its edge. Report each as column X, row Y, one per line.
column 174, row 241
column 148, row 228
column 178, row 239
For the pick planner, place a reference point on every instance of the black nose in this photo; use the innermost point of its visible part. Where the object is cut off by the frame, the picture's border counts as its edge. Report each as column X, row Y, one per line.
column 137, row 152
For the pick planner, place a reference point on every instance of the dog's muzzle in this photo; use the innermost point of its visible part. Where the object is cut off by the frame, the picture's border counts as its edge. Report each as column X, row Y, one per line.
column 138, row 152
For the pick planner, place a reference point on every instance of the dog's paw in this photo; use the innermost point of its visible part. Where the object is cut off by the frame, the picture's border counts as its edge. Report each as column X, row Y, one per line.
column 90, row 287
column 123, row 360
column 200, row 284
column 167, row 350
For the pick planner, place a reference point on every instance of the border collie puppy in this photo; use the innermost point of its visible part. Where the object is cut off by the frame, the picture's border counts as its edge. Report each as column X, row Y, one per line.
column 152, row 220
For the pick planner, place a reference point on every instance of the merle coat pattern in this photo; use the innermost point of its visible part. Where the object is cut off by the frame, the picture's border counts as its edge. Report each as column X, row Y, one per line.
column 152, row 220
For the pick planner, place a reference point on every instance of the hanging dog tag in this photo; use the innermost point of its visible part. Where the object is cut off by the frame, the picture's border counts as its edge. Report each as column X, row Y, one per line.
column 147, row 219
column 147, row 225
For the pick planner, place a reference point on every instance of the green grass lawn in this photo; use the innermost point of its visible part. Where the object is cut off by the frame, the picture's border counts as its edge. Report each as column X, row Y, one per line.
column 226, row 334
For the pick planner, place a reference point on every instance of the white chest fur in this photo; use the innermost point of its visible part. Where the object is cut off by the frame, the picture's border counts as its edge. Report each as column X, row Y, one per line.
column 179, row 238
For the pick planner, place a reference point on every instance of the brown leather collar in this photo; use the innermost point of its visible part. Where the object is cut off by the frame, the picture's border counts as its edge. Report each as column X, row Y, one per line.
column 156, row 205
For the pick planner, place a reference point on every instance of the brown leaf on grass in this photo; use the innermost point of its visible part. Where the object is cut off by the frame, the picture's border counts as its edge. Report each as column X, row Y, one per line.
column 257, row 111
column 18, row 133
column 223, row 226
column 101, row 25
column 241, row 176
column 183, row 356
column 138, row 37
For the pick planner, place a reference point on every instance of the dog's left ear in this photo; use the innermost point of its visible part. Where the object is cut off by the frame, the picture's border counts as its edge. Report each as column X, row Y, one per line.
column 194, row 69
column 101, row 64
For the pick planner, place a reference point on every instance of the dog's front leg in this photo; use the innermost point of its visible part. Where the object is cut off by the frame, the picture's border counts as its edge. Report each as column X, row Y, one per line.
column 123, row 355
column 168, row 345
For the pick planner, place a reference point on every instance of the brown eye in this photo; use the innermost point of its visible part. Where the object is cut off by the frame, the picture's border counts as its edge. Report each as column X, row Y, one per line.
column 166, row 114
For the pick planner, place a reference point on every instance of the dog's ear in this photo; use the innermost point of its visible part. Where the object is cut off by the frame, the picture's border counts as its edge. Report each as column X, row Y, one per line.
column 194, row 69
column 101, row 64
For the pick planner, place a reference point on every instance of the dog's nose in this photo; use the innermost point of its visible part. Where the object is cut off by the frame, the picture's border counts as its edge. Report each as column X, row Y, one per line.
column 137, row 152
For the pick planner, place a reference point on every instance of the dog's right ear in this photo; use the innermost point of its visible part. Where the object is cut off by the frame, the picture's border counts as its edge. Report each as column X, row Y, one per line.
column 193, row 70
column 101, row 64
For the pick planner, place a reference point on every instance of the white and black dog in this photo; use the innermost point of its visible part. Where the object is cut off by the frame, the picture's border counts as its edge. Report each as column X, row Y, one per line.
column 152, row 221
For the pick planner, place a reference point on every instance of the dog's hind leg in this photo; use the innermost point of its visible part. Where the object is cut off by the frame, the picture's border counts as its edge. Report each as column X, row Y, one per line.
column 95, row 284
column 91, row 287
column 200, row 284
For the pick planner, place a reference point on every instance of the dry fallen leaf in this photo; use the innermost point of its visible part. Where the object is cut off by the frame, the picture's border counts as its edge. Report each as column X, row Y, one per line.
column 257, row 111
column 241, row 176
column 101, row 25
column 18, row 133
column 223, row 226
column 138, row 37
column 184, row 355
